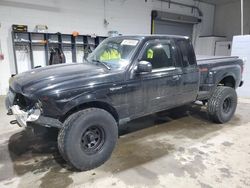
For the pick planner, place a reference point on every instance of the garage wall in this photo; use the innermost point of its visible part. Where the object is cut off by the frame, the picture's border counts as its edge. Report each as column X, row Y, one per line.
column 227, row 19
column 86, row 17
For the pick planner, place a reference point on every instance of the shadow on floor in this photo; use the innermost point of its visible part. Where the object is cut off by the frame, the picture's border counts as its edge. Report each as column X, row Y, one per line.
column 146, row 142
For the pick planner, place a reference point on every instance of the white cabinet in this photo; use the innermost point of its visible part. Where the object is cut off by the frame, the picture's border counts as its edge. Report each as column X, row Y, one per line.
column 206, row 45
column 223, row 48
column 241, row 48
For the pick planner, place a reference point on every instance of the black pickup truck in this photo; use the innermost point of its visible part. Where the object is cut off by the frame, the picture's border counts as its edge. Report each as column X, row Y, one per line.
column 124, row 78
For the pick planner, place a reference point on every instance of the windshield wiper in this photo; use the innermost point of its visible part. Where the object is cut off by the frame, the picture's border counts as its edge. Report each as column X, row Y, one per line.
column 102, row 63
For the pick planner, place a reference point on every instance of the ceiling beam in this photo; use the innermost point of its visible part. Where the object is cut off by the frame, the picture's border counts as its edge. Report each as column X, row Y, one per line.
column 216, row 2
column 202, row 1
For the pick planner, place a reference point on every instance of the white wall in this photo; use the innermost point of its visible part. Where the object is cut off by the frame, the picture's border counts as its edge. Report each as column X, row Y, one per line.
column 228, row 19
column 86, row 17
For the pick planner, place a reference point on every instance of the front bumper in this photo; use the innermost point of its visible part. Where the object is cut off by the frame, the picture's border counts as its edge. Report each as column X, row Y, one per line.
column 23, row 117
column 32, row 115
column 35, row 117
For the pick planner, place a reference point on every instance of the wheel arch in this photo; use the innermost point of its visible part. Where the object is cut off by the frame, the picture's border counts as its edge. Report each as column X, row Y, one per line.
column 228, row 80
column 92, row 104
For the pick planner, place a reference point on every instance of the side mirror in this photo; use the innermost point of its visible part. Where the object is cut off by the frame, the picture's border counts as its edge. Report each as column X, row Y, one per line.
column 144, row 67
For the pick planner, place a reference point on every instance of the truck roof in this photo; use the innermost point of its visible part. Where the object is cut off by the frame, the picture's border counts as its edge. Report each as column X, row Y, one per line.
column 141, row 37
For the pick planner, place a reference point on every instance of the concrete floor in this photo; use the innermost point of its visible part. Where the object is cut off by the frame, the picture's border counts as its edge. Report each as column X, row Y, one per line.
column 180, row 149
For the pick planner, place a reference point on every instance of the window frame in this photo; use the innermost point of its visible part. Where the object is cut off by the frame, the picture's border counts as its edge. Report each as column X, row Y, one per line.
column 157, row 42
column 190, row 52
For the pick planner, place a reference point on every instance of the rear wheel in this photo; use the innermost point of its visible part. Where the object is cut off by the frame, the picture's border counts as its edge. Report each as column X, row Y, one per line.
column 222, row 104
column 88, row 138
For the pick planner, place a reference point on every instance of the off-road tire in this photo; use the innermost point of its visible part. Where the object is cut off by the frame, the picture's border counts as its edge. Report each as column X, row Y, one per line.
column 222, row 104
column 72, row 146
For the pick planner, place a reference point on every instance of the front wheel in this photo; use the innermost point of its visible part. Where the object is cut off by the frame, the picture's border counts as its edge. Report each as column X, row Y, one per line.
column 222, row 104
column 88, row 138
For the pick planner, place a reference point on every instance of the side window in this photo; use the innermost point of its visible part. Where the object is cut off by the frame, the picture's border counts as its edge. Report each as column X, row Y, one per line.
column 159, row 55
column 186, row 52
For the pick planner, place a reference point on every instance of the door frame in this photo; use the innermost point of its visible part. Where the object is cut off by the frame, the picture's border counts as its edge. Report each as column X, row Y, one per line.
column 159, row 73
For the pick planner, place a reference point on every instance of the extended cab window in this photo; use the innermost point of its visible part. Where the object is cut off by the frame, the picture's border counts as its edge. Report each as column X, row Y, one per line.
column 186, row 52
column 159, row 55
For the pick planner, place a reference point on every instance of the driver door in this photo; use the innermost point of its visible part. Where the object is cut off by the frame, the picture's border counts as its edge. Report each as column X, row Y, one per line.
column 160, row 87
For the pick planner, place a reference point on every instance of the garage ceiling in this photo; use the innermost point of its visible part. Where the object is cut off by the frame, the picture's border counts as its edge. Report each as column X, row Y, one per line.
column 217, row 2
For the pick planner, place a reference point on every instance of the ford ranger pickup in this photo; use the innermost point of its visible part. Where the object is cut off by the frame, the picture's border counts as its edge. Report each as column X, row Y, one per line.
column 124, row 78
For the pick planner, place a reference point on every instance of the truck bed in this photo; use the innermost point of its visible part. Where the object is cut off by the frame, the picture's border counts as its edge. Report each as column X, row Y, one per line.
column 201, row 60
column 213, row 69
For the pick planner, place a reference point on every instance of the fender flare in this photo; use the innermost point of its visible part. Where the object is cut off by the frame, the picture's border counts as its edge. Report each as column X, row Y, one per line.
column 90, row 100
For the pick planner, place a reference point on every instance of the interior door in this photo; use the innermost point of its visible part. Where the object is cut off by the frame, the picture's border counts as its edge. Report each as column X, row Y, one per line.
column 160, row 87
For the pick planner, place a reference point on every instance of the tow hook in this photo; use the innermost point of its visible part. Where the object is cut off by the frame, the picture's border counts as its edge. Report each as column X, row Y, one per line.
column 23, row 117
column 9, row 113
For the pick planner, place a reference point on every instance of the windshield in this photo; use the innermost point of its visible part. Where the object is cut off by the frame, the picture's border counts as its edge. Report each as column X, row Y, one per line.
column 114, row 53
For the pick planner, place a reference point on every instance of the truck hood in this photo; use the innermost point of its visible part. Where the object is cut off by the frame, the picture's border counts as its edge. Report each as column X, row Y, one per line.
column 61, row 78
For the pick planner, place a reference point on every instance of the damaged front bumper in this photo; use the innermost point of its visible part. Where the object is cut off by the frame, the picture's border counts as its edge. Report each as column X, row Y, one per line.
column 23, row 117
column 33, row 115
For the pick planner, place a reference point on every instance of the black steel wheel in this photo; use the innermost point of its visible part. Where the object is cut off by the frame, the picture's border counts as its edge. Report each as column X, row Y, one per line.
column 88, row 138
column 93, row 139
column 222, row 104
column 227, row 105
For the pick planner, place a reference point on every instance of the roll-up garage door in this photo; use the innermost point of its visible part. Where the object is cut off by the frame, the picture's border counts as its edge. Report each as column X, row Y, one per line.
column 173, row 24
column 173, row 28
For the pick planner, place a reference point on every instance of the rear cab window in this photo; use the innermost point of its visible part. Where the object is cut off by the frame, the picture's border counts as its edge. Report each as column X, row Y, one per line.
column 186, row 53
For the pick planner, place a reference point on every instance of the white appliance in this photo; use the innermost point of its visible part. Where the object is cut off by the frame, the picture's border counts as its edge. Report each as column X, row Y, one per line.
column 223, row 48
column 206, row 45
column 241, row 48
